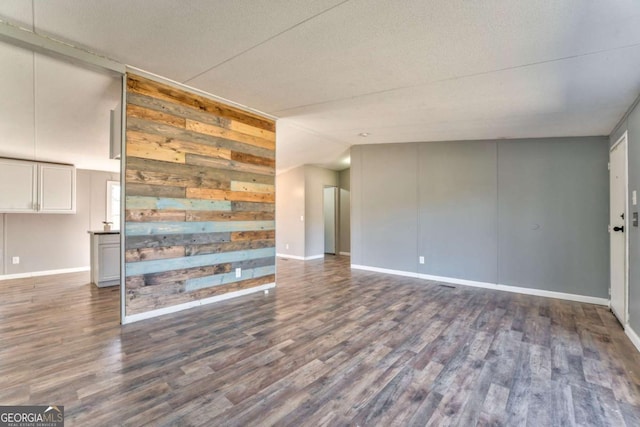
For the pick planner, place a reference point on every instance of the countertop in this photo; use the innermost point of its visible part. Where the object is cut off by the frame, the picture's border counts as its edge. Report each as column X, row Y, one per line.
column 104, row 232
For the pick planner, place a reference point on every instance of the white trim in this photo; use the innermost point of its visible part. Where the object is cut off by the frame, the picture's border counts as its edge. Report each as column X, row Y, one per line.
column 182, row 86
column 385, row 270
column 300, row 258
column 191, row 304
column 43, row 273
column 635, row 339
column 26, row 38
column 493, row 286
column 345, row 253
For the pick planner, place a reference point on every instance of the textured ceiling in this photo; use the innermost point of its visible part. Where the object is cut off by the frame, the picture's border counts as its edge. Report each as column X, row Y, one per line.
column 401, row 71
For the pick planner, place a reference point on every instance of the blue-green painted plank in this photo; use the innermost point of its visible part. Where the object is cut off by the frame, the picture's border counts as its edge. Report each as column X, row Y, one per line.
column 144, row 202
column 226, row 278
column 151, row 228
column 158, row 266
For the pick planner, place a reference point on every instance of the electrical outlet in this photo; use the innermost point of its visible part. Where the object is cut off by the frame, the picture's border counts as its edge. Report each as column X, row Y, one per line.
column 421, row 260
column 301, row 218
column 15, row 260
column 238, row 272
column 286, row 246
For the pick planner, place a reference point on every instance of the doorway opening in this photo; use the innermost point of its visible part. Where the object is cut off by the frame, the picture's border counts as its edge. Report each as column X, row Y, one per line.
column 330, row 205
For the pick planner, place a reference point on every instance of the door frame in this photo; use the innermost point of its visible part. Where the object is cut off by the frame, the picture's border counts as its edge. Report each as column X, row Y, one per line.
column 336, row 216
column 623, row 139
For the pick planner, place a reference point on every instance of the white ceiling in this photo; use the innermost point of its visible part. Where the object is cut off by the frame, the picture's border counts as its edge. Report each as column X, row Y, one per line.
column 405, row 71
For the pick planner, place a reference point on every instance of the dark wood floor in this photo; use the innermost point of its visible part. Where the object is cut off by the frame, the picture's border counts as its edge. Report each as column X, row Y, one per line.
column 330, row 346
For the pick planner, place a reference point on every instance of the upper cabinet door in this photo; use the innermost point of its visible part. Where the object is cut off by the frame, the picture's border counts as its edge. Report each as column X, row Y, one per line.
column 18, row 186
column 57, row 188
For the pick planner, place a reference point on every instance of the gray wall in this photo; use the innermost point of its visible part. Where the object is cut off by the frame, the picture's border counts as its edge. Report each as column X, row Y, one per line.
column 51, row 242
column 384, row 206
column 631, row 123
column 530, row 213
column 315, row 179
column 290, row 194
column 553, row 215
column 457, row 210
column 344, row 229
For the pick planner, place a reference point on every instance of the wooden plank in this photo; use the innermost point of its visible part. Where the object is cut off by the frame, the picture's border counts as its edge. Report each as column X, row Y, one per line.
column 147, row 126
column 155, row 116
column 251, row 206
column 195, row 172
column 216, row 131
column 149, row 228
column 184, row 274
column 164, row 203
column 158, row 142
column 152, row 215
column 226, row 278
column 194, row 159
column 236, row 196
column 229, row 216
column 154, row 152
column 163, row 240
column 201, row 116
column 138, row 84
column 254, row 263
column 149, row 190
column 252, row 130
column 213, row 248
column 166, row 178
column 252, row 187
column 253, row 235
column 146, row 254
column 140, row 305
column 157, row 266
column 254, row 160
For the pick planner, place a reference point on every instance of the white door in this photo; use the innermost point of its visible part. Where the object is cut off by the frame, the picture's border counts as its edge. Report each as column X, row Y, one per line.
column 330, row 220
column 618, row 228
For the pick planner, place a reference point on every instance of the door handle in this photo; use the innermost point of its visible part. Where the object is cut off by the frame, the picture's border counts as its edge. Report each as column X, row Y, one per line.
column 621, row 228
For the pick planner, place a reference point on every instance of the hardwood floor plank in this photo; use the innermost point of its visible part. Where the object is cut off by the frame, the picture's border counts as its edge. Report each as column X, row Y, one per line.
column 329, row 346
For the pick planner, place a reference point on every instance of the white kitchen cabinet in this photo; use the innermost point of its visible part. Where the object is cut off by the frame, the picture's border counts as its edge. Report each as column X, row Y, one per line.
column 105, row 258
column 18, row 186
column 32, row 187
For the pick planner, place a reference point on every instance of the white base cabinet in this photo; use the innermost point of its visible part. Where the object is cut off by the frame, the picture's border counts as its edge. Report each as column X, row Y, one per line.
column 105, row 258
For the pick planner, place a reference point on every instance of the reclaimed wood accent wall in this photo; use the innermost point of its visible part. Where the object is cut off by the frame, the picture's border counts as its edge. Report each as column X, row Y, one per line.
column 200, row 196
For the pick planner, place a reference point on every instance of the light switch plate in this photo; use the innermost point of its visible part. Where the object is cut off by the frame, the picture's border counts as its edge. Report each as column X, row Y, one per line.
column 238, row 272
column 634, row 197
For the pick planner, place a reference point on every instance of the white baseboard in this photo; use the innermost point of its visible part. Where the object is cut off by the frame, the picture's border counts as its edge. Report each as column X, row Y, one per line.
column 43, row 273
column 191, row 304
column 385, row 270
column 345, row 253
column 299, row 257
column 635, row 339
column 494, row 286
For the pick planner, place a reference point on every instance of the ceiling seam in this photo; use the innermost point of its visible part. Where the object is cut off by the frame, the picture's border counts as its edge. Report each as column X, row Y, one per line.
column 266, row 40
column 498, row 70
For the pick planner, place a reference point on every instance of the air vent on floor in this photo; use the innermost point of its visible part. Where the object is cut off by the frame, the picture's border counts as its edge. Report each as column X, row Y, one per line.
column 447, row 286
